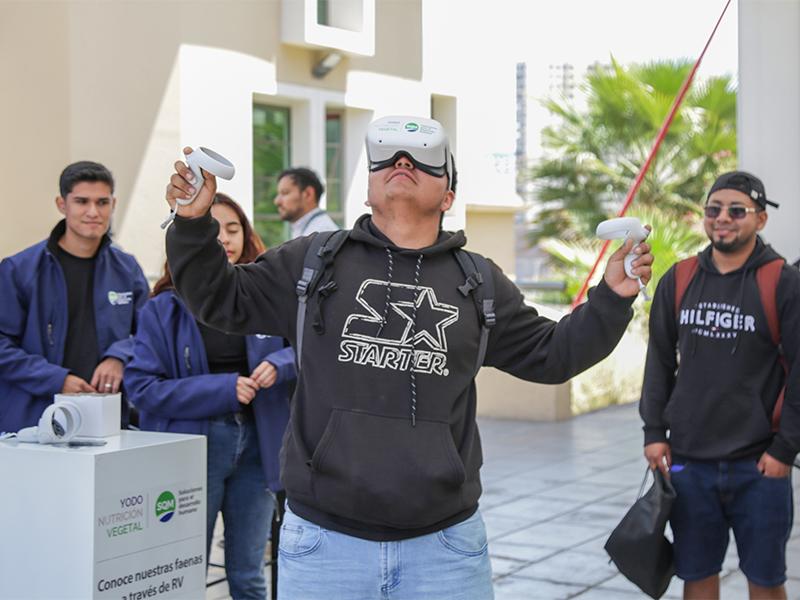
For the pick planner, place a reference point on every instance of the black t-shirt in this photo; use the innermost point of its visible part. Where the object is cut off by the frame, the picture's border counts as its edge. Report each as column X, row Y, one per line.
column 226, row 353
column 81, row 353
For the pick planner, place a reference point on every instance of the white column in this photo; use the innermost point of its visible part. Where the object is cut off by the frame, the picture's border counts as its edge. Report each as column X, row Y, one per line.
column 769, row 111
column 308, row 125
column 316, row 135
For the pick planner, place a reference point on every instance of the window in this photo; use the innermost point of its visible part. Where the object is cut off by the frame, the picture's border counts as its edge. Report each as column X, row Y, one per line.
column 343, row 25
column 334, row 166
column 322, row 13
column 271, row 155
column 342, row 14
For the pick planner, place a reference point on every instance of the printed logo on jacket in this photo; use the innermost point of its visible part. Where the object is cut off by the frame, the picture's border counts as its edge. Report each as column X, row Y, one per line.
column 716, row 320
column 120, row 298
column 415, row 320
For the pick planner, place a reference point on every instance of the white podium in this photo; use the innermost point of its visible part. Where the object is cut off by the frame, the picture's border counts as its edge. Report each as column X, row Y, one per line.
column 124, row 521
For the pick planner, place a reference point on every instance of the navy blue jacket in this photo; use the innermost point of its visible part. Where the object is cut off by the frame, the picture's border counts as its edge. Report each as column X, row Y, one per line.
column 33, row 323
column 168, row 380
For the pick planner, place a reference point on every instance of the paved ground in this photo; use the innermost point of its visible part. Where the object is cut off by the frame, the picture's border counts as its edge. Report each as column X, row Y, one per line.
column 552, row 494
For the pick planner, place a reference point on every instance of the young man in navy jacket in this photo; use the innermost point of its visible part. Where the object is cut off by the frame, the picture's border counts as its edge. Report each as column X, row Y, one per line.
column 69, row 304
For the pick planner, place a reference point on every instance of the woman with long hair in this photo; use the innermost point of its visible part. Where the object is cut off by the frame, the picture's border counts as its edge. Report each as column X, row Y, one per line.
column 188, row 378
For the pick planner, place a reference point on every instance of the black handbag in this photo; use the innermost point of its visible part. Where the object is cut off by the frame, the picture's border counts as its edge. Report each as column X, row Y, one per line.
column 638, row 546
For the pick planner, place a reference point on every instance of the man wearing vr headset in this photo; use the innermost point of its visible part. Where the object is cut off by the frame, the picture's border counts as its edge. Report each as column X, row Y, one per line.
column 728, row 463
column 382, row 454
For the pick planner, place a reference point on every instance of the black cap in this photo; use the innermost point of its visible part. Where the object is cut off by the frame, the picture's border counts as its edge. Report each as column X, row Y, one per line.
column 744, row 182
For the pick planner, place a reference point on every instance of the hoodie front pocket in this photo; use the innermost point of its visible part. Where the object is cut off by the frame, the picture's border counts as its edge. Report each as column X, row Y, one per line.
column 383, row 471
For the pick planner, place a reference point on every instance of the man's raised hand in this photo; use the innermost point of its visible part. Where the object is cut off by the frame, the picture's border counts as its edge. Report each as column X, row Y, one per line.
column 615, row 275
column 182, row 185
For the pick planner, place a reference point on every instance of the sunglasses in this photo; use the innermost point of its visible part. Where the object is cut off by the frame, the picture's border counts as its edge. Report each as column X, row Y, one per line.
column 712, row 211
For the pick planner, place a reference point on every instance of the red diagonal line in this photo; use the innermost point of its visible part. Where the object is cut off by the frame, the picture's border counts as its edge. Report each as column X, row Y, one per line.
column 650, row 157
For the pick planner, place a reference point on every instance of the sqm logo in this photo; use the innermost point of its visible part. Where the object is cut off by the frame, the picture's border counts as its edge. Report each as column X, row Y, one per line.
column 119, row 298
column 165, row 506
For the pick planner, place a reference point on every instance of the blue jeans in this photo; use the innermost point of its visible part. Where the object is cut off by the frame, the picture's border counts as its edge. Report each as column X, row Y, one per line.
column 318, row 564
column 238, row 488
column 714, row 497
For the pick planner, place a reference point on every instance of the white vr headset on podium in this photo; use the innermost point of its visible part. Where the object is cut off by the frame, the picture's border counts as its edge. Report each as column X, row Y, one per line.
column 58, row 423
column 72, row 416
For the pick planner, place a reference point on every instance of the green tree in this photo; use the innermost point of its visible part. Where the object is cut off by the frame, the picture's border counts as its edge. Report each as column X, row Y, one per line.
column 594, row 154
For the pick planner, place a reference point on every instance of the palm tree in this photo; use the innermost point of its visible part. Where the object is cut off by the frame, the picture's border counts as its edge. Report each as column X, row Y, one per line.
column 594, row 154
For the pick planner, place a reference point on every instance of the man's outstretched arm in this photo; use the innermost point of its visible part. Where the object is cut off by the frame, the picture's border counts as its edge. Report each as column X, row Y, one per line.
column 535, row 348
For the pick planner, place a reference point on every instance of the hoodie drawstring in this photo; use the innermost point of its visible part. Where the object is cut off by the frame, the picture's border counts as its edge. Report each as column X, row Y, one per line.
column 389, row 279
column 412, row 363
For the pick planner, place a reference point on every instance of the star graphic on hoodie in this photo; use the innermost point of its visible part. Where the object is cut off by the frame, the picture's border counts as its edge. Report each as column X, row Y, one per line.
column 432, row 319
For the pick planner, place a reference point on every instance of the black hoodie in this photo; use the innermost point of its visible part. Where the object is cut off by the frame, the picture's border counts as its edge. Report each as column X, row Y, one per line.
column 716, row 395
column 372, row 449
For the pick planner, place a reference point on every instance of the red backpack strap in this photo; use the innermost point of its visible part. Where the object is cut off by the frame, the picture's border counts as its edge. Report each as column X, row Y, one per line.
column 767, row 277
column 684, row 273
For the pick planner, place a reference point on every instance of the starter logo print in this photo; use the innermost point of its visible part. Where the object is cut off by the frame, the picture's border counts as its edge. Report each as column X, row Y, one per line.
column 366, row 340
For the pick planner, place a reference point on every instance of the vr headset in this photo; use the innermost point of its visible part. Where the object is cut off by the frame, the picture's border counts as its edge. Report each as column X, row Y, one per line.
column 423, row 141
column 59, row 423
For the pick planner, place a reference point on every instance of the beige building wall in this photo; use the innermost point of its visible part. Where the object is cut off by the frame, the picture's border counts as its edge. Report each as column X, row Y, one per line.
column 490, row 232
column 501, row 396
column 34, row 119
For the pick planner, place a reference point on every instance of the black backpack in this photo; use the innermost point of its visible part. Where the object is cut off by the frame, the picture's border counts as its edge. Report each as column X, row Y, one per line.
column 477, row 281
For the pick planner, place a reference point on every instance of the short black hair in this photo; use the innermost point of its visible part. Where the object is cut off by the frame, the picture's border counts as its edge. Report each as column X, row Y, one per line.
column 454, row 175
column 84, row 170
column 303, row 178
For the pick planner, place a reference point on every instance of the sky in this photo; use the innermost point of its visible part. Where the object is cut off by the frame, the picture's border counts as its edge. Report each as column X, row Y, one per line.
column 582, row 32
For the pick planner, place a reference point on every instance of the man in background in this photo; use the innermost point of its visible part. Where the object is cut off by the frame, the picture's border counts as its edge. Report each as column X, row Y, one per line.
column 299, row 192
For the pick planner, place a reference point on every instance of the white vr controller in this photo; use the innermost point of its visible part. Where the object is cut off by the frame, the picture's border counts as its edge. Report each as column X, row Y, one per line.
column 59, row 423
column 202, row 159
column 627, row 228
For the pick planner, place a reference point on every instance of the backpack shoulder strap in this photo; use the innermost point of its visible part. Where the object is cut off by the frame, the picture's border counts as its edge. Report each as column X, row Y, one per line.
column 685, row 271
column 321, row 252
column 767, row 277
column 480, row 283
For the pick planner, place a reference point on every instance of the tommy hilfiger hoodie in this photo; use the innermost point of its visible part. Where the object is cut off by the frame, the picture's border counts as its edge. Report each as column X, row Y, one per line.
column 371, row 450
column 716, row 394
